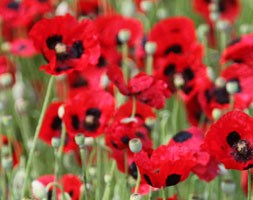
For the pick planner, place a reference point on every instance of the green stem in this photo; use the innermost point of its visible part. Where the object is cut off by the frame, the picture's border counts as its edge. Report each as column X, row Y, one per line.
column 107, row 192
column 163, row 194
column 99, row 171
column 36, row 136
column 149, row 64
column 84, row 176
column 56, row 173
column 138, row 181
column 133, row 107
column 249, row 184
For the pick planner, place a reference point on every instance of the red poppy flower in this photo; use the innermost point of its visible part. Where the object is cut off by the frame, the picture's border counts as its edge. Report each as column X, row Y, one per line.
column 228, row 9
column 230, row 140
column 145, row 88
column 244, row 181
column 52, row 126
column 110, row 26
column 216, row 96
column 206, row 167
column 71, row 185
column 83, row 80
column 7, row 69
column 95, row 108
column 38, row 7
column 175, row 36
column 166, row 166
column 144, row 188
column 23, row 48
column 41, row 183
column 239, row 50
column 185, row 67
column 67, row 45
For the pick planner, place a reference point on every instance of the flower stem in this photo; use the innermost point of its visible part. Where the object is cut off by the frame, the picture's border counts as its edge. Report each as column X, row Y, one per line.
column 133, row 107
column 36, row 136
column 138, row 181
column 249, row 184
column 84, row 176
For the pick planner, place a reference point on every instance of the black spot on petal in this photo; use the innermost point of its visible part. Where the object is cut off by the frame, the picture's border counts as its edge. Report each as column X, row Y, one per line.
column 56, row 123
column 125, row 139
column 232, row 138
column 133, row 170
column 101, row 62
column 13, row 5
column 147, row 179
column 176, row 48
column 170, row 69
column 77, row 49
column 188, row 74
column 75, row 122
column 173, row 179
column 53, row 40
column 233, row 42
column 182, row 136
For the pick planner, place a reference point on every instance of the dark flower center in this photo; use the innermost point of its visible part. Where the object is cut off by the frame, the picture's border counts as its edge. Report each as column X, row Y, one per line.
column 101, row 62
column 133, row 170
column 176, row 48
column 56, row 123
column 241, row 150
column 182, row 136
column 170, row 69
column 91, row 121
column 53, row 40
column 173, row 179
column 79, row 82
column 13, row 5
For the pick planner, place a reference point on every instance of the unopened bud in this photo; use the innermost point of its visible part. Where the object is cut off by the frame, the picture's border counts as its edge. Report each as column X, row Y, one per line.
column 56, row 142
column 135, row 196
column 6, row 47
column 135, row 145
column 38, row 190
column 7, row 162
column 61, row 111
column 232, row 87
column 80, row 140
column 5, row 79
column 150, row 47
column 124, row 35
column 146, row 5
column 216, row 113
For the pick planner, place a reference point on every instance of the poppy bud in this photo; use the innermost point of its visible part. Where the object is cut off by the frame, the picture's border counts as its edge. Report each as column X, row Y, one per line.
column 232, row 87
column 135, row 145
column 202, row 30
column 21, row 105
column 62, row 8
column 214, row 16
column 7, row 163
column 6, row 47
column 161, row 13
column 18, row 90
column 210, row 73
column 150, row 48
column 6, row 120
column 124, row 35
column 5, row 79
column 146, row 6
column 80, row 140
column 216, row 113
column 128, row 8
column 213, row 7
column 178, row 80
column 38, row 190
column 223, row 25
column 228, row 186
column 65, row 197
column 220, row 82
column 56, row 142
column 61, row 111
column 108, row 178
column 135, row 196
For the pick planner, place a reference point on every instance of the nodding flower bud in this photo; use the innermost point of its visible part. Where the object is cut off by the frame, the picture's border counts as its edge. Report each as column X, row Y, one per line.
column 38, row 190
column 216, row 113
column 135, row 145
column 5, row 79
column 128, row 8
column 124, row 35
column 80, row 140
column 232, row 87
column 146, row 5
column 6, row 47
column 161, row 13
column 61, row 111
column 135, row 196
column 150, row 48
column 56, row 142
column 108, row 178
column 228, row 186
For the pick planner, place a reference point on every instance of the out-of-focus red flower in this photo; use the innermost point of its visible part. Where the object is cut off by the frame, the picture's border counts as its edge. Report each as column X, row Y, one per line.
column 15, row 146
column 67, row 45
column 94, row 110
column 7, row 69
column 175, row 36
column 110, row 26
column 216, row 96
column 230, row 140
column 145, row 88
column 244, row 181
column 165, row 166
column 228, row 9
column 239, row 50
column 206, row 167
column 22, row 47
column 52, row 127
column 185, row 67
column 71, row 185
